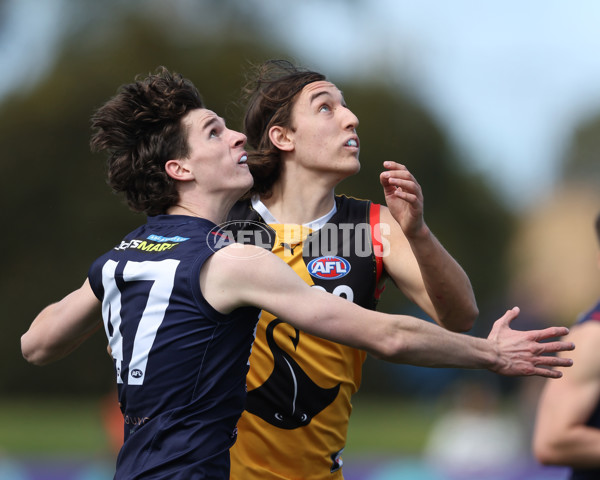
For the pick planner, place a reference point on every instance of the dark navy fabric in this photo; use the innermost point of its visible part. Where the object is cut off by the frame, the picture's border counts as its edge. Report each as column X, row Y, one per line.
column 181, row 366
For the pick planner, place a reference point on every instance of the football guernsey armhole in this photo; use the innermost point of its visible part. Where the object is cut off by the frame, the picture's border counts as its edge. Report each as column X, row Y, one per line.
column 194, row 284
column 97, row 289
column 374, row 220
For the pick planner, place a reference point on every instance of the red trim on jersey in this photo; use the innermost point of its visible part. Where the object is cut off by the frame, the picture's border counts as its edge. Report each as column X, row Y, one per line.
column 374, row 210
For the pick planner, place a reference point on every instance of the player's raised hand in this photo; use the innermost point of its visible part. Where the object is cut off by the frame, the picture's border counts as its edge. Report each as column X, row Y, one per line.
column 523, row 353
column 403, row 197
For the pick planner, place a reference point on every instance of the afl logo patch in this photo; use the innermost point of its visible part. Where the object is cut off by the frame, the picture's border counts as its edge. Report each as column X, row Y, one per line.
column 328, row 268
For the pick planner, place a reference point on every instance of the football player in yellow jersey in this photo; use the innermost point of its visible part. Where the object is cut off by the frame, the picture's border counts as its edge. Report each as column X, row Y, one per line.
column 299, row 386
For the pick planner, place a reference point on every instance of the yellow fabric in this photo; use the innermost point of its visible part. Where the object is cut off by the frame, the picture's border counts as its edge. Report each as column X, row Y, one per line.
column 263, row 451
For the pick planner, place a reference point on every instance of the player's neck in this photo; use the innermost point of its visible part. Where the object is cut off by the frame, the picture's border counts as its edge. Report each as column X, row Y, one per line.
column 299, row 201
column 215, row 211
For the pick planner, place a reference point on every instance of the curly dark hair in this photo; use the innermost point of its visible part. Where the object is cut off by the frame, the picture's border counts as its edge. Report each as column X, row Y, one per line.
column 270, row 92
column 140, row 128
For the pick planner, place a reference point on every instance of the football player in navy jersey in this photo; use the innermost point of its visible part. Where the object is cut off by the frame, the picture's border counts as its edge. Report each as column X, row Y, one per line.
column 179, row 300
column 567, row 428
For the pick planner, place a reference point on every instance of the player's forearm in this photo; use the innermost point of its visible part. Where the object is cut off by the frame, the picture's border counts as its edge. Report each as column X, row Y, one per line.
column 61, row 327
column 446, row 283
column 413, row 341
column 44, row 342
column 44, row 353
column 395, row 338
column 504, row 351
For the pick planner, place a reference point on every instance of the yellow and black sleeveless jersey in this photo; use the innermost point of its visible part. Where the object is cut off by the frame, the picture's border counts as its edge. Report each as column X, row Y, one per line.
column 299, row 386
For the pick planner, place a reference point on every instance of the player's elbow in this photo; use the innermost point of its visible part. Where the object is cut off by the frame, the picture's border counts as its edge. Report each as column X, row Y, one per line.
column 464, row 320
column 468, row 321
column 32, row 352
column 543, row 457
column 471, row 316
column 392, row 346
column 547, row 452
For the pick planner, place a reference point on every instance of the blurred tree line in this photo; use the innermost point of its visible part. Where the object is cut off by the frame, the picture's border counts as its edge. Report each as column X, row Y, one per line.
column 63, row 214
column 554, row 251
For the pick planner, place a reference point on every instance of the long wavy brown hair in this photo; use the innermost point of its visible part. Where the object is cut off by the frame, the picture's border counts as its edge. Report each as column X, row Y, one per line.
column 141, row 129
column 269, row 95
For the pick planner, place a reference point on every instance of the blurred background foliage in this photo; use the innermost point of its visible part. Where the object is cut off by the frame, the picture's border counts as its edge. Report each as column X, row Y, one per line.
column 59, row 214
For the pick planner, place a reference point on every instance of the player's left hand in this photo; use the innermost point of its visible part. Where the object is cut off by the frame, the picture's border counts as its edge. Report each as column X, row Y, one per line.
column 403, row 197
column 526, row 352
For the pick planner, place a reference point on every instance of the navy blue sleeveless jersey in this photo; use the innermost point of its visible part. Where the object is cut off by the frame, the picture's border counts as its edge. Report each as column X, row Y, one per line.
column 181, row 366
column 592, row 315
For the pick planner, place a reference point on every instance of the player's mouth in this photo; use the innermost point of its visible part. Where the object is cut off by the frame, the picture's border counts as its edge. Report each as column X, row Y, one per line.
column 352, row 142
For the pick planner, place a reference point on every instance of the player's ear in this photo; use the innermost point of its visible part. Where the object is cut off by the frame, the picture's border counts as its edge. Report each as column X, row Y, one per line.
column 281, row 139
column 178, row 170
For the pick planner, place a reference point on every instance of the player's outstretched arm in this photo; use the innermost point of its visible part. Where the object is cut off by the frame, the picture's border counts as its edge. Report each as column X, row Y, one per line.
column 505, row 351
column 61, row 327
column 246, row 275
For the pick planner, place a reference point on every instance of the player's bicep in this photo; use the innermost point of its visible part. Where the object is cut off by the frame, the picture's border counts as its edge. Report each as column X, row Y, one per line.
column 285, row 295
column 249, row 276
column 267, row 282
column 245, row 275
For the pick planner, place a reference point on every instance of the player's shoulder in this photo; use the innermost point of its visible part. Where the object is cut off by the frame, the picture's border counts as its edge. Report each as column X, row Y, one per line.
column 590, row 316
column 241, row 261
column 586, row 332
column 586, row 356
column 343, row 199
column 353, row 209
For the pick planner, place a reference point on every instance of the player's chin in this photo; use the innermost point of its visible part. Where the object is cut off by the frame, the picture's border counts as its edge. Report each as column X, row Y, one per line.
column 353, row 166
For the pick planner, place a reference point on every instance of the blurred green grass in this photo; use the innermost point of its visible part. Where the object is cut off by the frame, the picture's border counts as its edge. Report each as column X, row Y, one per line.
column 49, row 426
column 389, row 424
column 52, row 426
